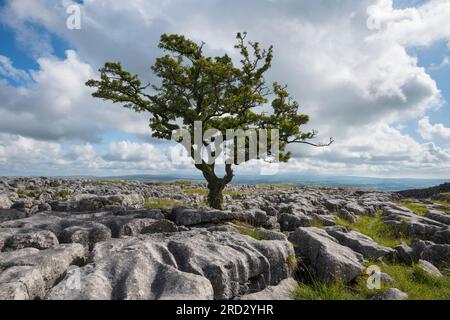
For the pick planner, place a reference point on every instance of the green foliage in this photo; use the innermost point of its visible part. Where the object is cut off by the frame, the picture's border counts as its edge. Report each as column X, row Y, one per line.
column 28, row 193
column 63, row 193
column 379, row 231
column 418, row 209
column 194, row 87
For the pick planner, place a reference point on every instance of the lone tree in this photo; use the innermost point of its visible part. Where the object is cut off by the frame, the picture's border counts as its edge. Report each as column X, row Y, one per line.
column 194, row 87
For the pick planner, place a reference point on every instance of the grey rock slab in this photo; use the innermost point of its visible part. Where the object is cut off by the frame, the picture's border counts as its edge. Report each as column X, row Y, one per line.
column 429, row 268
column 360, row 243
column 438, row 216
column 393, row 294
column 282, row 291
column 38, row 239
column 325, row 257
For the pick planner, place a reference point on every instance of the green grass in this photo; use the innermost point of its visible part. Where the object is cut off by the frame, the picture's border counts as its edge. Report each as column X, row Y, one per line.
column 192, row 191
column 63, row 193
column 336, row 290
column 418, row 209
column 374, row 227
column 292, row 261
column 248, row 230
column 162, row 203
column 417, row 283
column 316, row 223
column 29, row 193
column 443, row 203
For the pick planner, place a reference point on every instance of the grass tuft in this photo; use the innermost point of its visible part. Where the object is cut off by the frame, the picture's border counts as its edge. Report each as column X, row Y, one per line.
column 418, row 283
column 418, row 209
column 63, row 193
column 248, row 230
column 380, row 232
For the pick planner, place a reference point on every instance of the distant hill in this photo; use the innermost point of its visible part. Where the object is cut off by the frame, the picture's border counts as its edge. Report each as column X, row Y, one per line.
column 379, row 184
column 427, row 192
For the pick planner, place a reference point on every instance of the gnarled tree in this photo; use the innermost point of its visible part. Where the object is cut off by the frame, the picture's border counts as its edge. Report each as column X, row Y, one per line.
column 194, row 87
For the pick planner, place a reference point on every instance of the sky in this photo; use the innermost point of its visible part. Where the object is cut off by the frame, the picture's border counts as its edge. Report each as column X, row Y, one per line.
column 373, row 74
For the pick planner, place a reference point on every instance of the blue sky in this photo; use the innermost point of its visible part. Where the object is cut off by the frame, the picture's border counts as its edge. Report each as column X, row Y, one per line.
column 381, row 92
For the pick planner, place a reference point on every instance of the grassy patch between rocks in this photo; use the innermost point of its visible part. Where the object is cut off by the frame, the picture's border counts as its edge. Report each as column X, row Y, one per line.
column 374, row 227
column 29, row 193
column 63, row 193
column 413, row 280
column 248, row 230
column 162, row 203
column 417, row 283
column 192, row 191
column 418, row 209
column 336, row 290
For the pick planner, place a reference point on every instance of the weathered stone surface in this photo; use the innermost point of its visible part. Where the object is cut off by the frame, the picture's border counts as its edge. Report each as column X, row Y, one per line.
column 437, row 254
column 39, row 240
column 404, row 254
column 5, row 203
column 438, row 216
column 52, row 263
column 183, row 216
column 411, row 223
column 194, row 265
column 359, row 242
column 346, row 215
column 11, row 214
column 282, row 291
column 131, row 270
column 32, row 285
column 325, row 257
column 393, row 294
column 112, row 248
column 429, row 268
column 87, row 234
column 290, row 222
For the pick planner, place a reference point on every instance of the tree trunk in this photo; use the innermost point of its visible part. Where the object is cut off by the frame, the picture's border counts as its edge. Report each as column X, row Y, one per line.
column 215, row 195
column 215, row 184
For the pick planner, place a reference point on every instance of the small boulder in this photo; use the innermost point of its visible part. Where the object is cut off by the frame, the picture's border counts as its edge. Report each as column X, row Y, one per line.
column 38, row 239
column 392, row 294
column 429, row 268
column 325, row 257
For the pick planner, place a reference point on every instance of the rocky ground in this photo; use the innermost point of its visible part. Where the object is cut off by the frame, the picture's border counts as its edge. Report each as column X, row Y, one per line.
column 95, row 239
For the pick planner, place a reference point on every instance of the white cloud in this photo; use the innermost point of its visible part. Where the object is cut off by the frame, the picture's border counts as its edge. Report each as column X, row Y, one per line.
column 358, row 83
column 429, row 131
column 58, row 105
column 9, row 71
column 19, row 155
column 133, row 152
column 445, row 62
column 418, row 26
